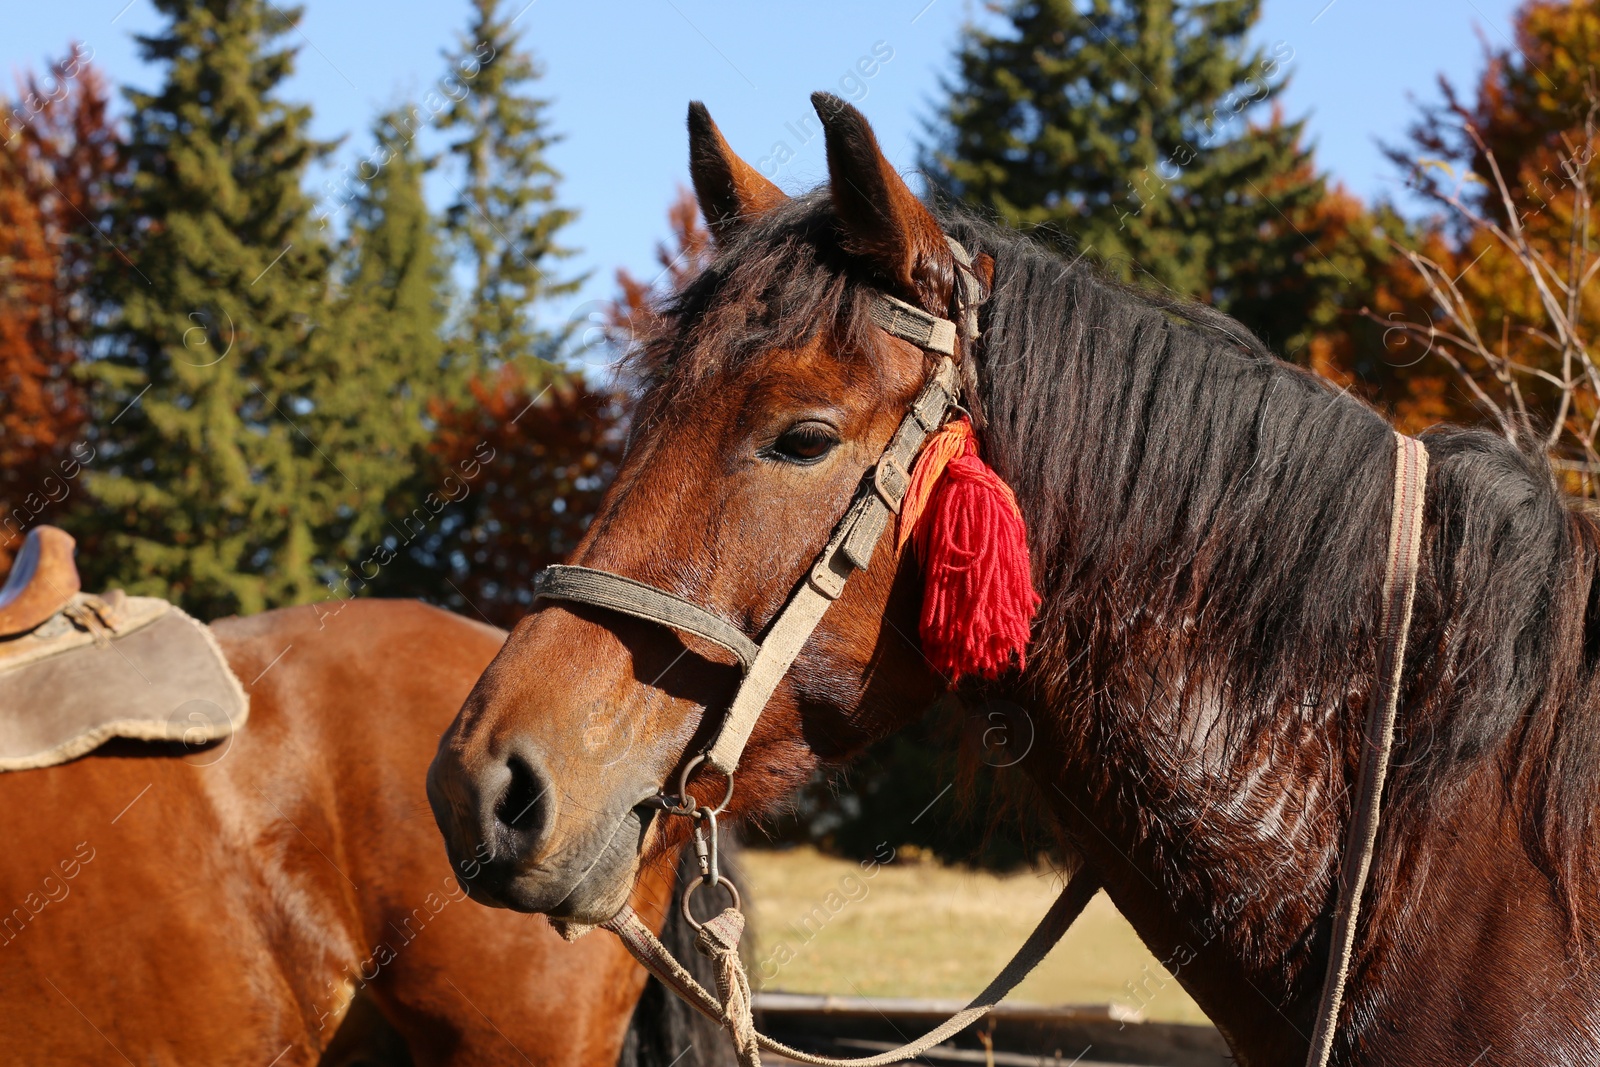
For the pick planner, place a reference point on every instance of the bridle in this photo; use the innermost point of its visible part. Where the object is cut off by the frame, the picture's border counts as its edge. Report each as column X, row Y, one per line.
column 849, row 549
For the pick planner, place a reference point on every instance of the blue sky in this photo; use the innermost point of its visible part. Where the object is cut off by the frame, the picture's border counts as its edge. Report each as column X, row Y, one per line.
column 620, row 74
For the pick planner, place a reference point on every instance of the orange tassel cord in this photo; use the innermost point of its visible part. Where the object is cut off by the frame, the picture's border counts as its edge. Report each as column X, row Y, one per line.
column 963, row 522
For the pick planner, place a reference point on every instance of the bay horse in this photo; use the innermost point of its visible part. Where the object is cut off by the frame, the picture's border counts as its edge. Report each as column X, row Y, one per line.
column 246, row 902
column 1207, row 528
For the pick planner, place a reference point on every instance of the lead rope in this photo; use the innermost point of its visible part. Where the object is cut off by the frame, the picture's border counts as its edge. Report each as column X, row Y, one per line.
column 1394, row 625
column 719, row 941
column 734, row 1013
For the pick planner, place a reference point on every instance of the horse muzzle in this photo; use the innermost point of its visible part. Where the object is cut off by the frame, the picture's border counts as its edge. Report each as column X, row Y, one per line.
column 514, row 841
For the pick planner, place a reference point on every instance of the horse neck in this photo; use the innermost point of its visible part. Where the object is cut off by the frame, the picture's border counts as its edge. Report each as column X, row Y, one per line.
column 1209, row 530
column 1183, row 503
column 1221, row 862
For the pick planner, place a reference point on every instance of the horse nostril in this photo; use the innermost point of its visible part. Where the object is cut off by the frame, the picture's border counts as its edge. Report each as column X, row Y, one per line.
column 521, row 807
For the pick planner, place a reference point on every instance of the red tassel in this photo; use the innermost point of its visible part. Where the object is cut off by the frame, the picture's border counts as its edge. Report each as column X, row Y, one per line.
column 978, row 598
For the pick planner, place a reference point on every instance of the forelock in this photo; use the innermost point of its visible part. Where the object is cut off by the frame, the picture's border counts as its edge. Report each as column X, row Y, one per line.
column 780, row 281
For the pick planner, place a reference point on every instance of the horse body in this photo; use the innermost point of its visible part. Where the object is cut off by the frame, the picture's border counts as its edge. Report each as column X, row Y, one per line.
column 1208, row 528
column 1212, row 573
column 1231, row 888
column 1204, row 660
column 225, row 905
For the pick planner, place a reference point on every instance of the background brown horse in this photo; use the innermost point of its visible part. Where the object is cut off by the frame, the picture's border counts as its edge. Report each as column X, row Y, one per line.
column 225, row 905
column 1207, row 526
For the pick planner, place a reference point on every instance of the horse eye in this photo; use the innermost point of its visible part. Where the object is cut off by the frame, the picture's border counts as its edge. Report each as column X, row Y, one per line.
column 804, row 443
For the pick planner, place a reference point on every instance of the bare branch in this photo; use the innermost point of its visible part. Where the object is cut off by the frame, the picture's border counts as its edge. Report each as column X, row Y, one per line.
column 1560, row 406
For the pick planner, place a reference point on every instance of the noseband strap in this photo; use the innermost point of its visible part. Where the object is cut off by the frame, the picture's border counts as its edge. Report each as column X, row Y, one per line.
column 585, row 585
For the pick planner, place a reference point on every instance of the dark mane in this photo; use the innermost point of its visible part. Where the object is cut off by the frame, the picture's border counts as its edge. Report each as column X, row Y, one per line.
column 1181, row 483
column 1163, row 463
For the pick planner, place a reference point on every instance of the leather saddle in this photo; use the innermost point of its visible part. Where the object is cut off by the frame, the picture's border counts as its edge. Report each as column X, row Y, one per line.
column 77, row 669
column 43, row 581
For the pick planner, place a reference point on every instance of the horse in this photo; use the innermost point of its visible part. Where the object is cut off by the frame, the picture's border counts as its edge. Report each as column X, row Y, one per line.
column 1207, row 528
column 279, row 898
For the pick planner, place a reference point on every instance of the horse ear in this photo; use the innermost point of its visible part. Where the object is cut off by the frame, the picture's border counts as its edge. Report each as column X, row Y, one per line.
column 880, row 219
column 730, row 191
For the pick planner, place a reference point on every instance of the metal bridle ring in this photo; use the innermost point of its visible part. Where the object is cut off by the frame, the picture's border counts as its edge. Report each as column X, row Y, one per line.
column 688, row 895
column 685, row 802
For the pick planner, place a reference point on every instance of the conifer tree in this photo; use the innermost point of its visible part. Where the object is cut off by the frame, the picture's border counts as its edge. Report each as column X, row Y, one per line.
column 241, row 459
column 504, row 221
column 1126, row 125
column 523, row 447
column 395, row 295
column 392, row 304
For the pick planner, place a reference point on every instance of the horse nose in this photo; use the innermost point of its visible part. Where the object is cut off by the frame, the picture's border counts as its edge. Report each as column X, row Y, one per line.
column 520, row 806
column 493, row 810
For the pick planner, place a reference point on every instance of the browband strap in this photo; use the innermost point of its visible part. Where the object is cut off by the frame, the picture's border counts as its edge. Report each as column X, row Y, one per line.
column 911, row 323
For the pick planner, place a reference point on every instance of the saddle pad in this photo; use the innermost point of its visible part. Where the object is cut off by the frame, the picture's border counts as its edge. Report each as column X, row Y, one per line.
column 155, row 674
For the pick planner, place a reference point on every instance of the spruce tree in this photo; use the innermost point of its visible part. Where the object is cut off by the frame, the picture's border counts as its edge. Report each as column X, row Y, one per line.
column 395, row 294
column 1126, row 127
column 504, row 221
column 240, row 459
column 513, row 469
column 392, row 302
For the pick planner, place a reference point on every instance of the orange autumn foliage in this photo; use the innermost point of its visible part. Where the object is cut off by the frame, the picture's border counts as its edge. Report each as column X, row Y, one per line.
column 56, row 169
column 633, row 312
column 546, row 459
column 1505, row 274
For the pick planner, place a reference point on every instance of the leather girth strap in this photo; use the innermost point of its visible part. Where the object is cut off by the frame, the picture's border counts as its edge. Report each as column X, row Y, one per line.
column 1399, row 594
column 653, row 955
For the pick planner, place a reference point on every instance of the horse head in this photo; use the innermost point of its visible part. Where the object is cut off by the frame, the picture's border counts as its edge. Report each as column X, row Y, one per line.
column 769, row 395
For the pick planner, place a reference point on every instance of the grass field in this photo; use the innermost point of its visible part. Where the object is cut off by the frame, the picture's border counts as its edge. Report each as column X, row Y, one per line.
column 825, row 925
